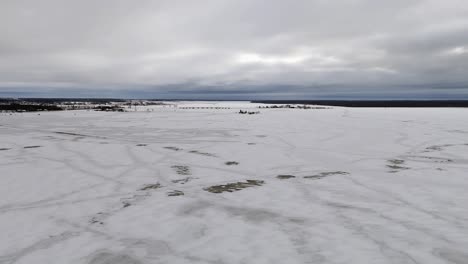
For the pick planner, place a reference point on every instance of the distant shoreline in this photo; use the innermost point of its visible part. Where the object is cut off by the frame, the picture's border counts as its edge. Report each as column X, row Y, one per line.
column 343, row 103
column 373, row 103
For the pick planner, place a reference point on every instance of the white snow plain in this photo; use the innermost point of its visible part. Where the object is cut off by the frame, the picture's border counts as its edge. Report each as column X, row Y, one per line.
column 370, row 185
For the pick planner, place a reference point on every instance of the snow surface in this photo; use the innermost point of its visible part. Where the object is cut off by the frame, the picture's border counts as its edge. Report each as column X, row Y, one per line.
column 370, row 186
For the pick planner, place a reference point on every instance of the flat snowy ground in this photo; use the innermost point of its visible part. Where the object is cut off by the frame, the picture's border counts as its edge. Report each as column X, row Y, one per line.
column 336, row 185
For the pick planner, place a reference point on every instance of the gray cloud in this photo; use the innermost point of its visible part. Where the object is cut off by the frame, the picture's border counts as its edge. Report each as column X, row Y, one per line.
column 268, row 48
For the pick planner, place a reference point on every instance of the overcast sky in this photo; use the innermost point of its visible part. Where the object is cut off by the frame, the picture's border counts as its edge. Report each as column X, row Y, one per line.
column 234, row 48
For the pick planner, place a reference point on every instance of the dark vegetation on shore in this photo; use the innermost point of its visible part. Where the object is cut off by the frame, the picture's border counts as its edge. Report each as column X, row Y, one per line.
column 107, row 108
column 249, row 112
column 22, row 107
column 60, row 100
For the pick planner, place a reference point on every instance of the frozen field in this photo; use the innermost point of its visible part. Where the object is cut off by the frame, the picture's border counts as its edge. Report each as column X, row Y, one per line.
column 340, row 185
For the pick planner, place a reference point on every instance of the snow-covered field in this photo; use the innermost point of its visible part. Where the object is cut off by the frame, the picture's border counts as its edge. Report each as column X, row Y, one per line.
column 338, row 185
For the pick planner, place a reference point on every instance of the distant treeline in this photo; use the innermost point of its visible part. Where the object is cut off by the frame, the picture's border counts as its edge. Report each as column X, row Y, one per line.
column 28, row 107
column 376, row 103
column 65, row 100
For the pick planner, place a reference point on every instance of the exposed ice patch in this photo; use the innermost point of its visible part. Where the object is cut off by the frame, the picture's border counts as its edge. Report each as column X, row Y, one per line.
column 113, row 258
